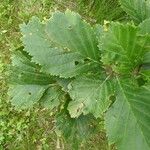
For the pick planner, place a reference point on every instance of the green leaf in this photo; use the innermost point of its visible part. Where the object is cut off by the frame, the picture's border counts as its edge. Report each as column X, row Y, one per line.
column 90, row 95
column 75, row 130
column 21, row 58
column 123, row 49
column 52, row 97
column 76, row 51
column 64, row 83
column 146, row 74
column 127, row 121
column 23, row 71
column 76, row 34
column 145, row 71
column 145, row 27
column 25, row 96
column 147, row 58
column 28, row 84
column 139, row 10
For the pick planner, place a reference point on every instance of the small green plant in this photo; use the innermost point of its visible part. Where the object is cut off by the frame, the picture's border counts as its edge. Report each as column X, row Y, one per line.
column 86, row 74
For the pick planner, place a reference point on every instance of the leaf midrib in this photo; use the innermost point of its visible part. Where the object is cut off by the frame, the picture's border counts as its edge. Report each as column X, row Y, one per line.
column 126, row 99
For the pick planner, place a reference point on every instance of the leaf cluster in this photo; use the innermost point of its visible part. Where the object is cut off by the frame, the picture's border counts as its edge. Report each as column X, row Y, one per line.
column 86, row 73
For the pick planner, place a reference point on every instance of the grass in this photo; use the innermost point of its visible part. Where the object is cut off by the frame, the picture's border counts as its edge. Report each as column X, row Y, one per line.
column 29, row 129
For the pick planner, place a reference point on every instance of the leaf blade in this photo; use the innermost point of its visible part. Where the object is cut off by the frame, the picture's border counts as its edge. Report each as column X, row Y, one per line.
column 139, row 10
column 127, row 115
column 90, row 95
column 65, row 60
column 123, row 49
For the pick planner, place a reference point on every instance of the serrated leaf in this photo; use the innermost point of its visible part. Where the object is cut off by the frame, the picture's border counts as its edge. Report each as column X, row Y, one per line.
column 76, row 34
column 75, row 130
column 28, row 84
column 23, row 71
column 25, row 96
column 90, row 95
column 127, row 121
column 76, row 43
column 123, row 48
column 139, row 10
column 52, row 97
column 22, row 59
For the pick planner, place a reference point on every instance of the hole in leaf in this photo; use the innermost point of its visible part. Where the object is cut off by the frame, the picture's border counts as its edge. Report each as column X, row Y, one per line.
column 76, row 62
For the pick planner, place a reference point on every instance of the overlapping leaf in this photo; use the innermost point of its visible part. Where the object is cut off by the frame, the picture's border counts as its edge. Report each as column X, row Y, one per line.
column 75, row 41
column 69, row 30
column 52, row 97
column 23, row 71
column 123, row 48
column 75, row 130
column 25, row 96
column 127, row 121
column 29, row 85
column 90, row 94
column 139, row 10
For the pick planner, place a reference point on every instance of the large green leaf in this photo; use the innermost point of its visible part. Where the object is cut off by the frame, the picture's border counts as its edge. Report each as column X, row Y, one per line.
column 139, row 10
column 76, row 34
column 90, row 94
column 75, row 130
column 128, row 120
column 28, row 84
column 123, row 48
column 76, row 43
